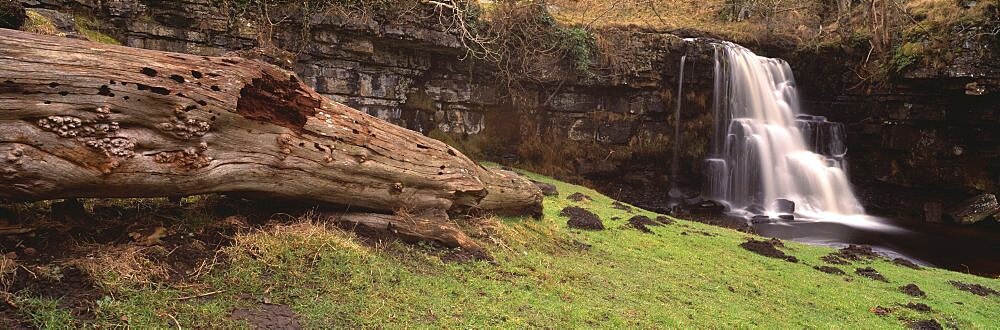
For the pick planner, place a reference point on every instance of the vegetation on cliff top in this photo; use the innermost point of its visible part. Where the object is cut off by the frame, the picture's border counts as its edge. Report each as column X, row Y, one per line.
column 545, row 274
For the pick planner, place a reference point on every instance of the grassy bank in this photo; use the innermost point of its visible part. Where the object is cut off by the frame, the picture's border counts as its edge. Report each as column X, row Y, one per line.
column 685, row 274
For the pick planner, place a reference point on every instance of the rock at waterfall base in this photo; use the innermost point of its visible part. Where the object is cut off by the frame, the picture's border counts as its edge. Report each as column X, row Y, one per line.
column 975, row 209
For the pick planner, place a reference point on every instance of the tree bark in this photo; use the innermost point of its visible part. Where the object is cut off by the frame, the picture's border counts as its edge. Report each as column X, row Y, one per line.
column 81, row 119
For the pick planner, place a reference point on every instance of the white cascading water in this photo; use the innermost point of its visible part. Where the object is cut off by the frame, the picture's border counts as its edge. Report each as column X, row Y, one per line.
column 764, row 149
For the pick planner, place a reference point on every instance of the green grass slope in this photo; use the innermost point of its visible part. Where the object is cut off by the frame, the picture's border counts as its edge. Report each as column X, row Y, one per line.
column 545, row 275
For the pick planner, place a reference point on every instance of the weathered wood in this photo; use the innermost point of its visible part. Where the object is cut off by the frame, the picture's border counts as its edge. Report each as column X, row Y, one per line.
column 80, row 119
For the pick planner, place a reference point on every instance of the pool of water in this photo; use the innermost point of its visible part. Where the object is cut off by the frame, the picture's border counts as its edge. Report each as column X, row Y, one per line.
column 968, row 249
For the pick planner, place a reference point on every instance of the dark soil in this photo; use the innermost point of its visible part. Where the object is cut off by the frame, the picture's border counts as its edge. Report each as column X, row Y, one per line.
column 664, row 220
column 905, row 263
column 975, row 289
column 768, row 248
column 830, row 270
column 581, row 218
column 547, row 189
column 857, row 253
column 913, row 290
column 871, row 273
column 268, row 316
column 578, row 197
column 833, row 259
column 881, row 311
column 926, row 325
column 73, row 288
column 619, row 206
column 641, row 222
column 920, row 307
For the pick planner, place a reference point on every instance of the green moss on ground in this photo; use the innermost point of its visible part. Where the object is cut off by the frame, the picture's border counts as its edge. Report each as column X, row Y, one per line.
column 546, row 275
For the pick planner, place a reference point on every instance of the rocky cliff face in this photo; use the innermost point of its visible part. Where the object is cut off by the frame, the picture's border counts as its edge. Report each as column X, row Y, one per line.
column 927, row 138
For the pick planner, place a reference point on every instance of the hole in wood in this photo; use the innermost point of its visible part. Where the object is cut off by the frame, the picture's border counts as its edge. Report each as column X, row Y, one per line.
column 148, row 71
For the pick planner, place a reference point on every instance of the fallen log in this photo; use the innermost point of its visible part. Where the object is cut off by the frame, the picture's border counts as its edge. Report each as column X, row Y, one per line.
column 432, row 228
column 81, row 119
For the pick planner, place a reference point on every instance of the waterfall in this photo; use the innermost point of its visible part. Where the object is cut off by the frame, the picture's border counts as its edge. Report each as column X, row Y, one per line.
column 764, row 149
column 675, row 163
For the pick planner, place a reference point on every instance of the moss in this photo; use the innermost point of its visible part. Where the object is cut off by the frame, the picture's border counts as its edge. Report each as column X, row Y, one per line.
column 90, row 29
column 579, row 45
column 907, row 54
column 36, row 23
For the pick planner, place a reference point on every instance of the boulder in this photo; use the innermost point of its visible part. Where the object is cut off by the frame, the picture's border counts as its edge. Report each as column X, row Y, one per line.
column 784, row 206
column 547, row 189
column 975, row 209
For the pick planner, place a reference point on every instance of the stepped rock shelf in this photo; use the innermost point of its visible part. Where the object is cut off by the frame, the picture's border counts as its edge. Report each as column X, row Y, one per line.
column 81, row 119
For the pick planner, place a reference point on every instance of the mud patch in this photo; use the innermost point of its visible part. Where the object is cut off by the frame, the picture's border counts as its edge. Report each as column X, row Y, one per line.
column 581, row 218
column 768, row 248
column 578, row 197
column 975, row 289
column 268, row 316
column 871, row 273
column 830, row 270
column 664, row 220
column 913, row 290
column 906, row 263
column 642, row 222
column 72, row 287
column 926, row 325
column 833, row 259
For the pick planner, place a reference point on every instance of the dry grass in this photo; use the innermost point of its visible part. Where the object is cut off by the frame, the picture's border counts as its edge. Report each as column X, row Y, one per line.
column 121, row 266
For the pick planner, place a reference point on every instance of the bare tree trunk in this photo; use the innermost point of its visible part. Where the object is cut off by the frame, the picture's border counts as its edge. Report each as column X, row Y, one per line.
column 80, row 119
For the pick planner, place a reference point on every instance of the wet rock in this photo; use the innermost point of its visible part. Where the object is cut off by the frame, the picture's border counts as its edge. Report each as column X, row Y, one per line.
column 755, row 209
column 768, row 248
column 707, row 207
column 913, row 290
column 547, row 189
column 784, row 206
column 786, row 217
column 975, row 289
column 760, row 218
column 12, row 14
column 641, row 222
column 871, row 273
column 830, row 270
column 578, row 197
column 581, row 218
column 975, row 209
column 926, row 325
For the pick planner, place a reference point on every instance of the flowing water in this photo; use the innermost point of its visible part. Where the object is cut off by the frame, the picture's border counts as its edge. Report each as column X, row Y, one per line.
column 766, row 150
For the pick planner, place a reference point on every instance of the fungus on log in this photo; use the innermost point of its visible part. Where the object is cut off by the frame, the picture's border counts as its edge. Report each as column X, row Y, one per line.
column 81, row 119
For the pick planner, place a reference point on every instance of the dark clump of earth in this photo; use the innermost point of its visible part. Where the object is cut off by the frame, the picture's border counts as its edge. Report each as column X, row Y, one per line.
column 881, row 311
column 830, row 270
column 578, row 197
column 619, row 206
column 912, row 290
column 547, row 189
column 975, row 289
column 920, row 307
column 581, row 218
column 926, row 325
column 664, row 220
column 857, row 253
column 871, row 273
column 905, row 263
column 768, row 248
column 268, row 316
column 642, row 222
column 833, row 259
